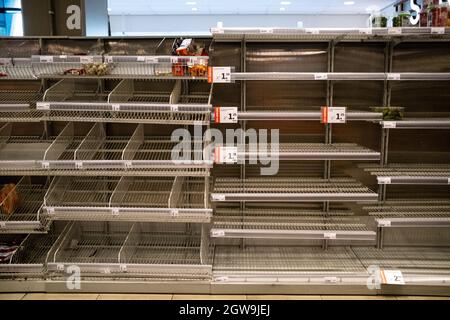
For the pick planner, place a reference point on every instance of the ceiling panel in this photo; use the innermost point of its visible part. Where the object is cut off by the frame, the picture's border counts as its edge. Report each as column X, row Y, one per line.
column 164, row 7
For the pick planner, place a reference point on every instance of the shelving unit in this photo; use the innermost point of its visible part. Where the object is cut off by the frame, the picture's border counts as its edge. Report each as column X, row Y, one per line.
column 100, row 180
column 437, row 174
column 274, row 113
column 308, row 151
column 263, row 223
column 131, row 101
column 29, row 261
column 26, row 216
column 130, row 251
column 329, row 34
column 96, row 153
column 290, row 190
column 423, row 213
column 130, row 199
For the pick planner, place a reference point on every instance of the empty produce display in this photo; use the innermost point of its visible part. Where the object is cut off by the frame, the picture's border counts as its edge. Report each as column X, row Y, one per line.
column 295, row 161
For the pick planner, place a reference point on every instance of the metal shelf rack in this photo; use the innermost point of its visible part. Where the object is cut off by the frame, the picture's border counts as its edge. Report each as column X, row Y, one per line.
column 290, row 190
column 152, row 65
column 427, row 174
column 431, row 123
column 423, row 266
column 264, row 264
column 263, row 223
column 96, row 153
column 134, row 199
column 328, row 34
column 18, row 105
column 136, row 250
column 16, row 69
column 26, row 217
column 309, row 151
column 423, row 213
column 29, row 261
column 338, row 76
column 274, row 114
column 131, row 101
column 48, row 65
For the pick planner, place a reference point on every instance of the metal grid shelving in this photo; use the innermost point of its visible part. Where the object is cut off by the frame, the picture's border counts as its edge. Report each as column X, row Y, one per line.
column 338, row 76
column 29, row 260
column 47, row 65
column 18, row 105
column 431, row 123
column 152, row 65
column 271, row 114
column 16, row 69
column 407, row 259
column 328, row 34
column 131, row 101
column 411, row 213
column 290, row 190
column 130, row 251
column 428, row 174
column 309, row 151
column 132, row 199
column 280, row 264
column 27, row 215
column 263, row 223
column 96, row 154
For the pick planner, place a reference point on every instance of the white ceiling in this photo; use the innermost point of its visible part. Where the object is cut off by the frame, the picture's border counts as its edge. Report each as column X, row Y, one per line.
column 165, row 7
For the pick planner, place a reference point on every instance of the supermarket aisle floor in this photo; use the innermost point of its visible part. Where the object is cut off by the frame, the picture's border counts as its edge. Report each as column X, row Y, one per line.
column 52, row 296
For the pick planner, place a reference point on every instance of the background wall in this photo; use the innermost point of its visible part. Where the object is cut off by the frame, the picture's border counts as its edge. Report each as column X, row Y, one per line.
column 201, row 24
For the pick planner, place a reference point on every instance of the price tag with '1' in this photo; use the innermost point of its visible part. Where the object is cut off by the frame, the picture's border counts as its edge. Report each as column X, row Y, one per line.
column 334, row 114
column 219, row 74
column 225, row 155
column 226, row 115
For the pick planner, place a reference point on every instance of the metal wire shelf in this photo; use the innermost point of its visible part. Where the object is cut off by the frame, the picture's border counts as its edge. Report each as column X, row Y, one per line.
column 29, row 260
column 135, row 199
column 290, row 190
column 274, row 114
column 59, row 65
column 326, row 34
column 96, row 154
column 157, row 65
column 26, row 217
column 427, row 174
column 130, row 251
column 131, row 101
column 16, row 69
column 18, row 106
column 407, row 259
column 431, row 123
column 308, row 151
column 338, row 76
column 264, row 264
column 274, row 224
column 417, row 213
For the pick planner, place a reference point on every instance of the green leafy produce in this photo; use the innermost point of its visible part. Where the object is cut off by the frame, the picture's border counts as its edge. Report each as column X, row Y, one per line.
column 390, row 113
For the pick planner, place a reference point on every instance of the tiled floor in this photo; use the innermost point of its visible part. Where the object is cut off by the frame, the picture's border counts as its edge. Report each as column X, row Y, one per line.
column 54, row 296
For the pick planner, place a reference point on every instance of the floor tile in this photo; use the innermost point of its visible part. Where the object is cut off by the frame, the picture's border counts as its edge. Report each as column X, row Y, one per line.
column 11, row 296
column 208, row 297
column 61, row 296
column 135, row 297
column 282, row 297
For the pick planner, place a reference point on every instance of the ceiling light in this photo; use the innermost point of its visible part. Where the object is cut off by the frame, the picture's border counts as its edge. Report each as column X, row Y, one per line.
column 191, row 3
column 194, row 9
column 282, row 9
column 349, row 3
column 285, row 3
